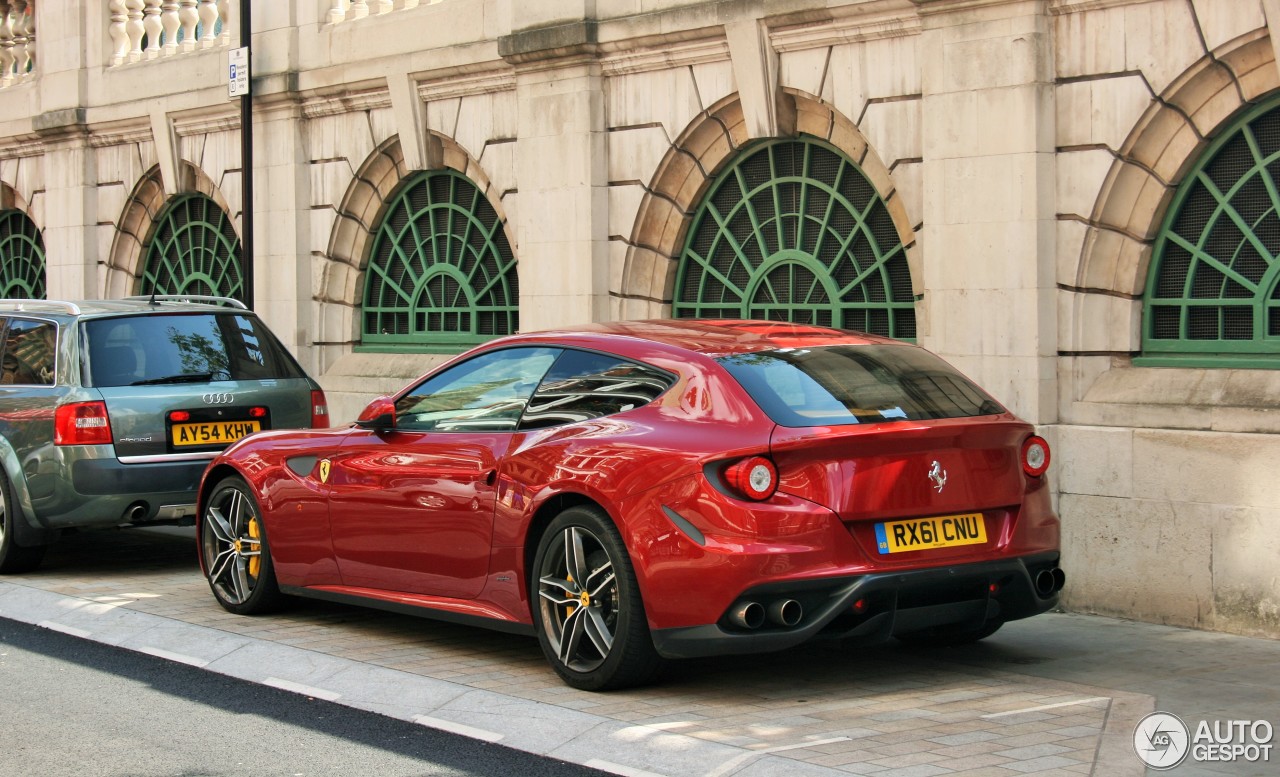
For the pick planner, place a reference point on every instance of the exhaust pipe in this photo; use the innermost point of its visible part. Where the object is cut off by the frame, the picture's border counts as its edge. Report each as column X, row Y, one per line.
column 786, row 612
column 747, row 615
column 135, row 512
column 1049, row 581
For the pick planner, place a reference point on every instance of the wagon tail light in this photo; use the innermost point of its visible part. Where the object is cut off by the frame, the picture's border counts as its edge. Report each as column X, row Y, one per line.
column 754, row 477
column 82, row 423
column 1035, row 456
column 319, row 410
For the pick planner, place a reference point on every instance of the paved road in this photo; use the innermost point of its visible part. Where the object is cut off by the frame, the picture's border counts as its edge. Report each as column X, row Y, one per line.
column 75, row 708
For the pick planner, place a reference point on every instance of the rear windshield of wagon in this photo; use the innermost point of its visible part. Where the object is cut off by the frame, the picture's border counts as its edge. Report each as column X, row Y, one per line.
column 184, row 348
column 856, row 384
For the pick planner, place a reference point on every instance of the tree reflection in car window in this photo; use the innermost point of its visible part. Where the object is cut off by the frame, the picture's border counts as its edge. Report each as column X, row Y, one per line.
column 487, row 393
column 29, row 353
column 583, row 385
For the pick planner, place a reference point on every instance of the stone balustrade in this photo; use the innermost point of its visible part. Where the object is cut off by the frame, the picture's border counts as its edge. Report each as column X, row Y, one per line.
column 343, row 10
column 150, row 29
column 17, row 41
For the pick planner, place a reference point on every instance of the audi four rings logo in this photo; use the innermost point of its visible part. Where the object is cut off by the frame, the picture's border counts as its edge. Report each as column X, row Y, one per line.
column 219, row 399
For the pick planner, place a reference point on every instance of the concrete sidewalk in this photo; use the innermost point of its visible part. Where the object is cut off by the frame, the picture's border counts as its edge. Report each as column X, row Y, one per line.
column 1058, row 694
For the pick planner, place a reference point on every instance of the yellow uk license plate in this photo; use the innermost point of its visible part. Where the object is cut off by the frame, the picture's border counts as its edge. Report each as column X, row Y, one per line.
column 213, row 433
column 928, row 533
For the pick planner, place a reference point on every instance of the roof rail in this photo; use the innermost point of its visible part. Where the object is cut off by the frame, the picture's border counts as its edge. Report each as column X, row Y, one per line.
column 26, row 304
column 213, row 300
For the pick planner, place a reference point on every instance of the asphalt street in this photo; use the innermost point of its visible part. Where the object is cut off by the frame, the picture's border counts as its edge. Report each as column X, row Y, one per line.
column 75, row 708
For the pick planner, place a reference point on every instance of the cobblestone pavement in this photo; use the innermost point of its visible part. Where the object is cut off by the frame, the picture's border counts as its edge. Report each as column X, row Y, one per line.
column 1058, row 694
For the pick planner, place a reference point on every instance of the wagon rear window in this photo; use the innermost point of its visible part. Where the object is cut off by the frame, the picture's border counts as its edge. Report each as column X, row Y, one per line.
column 184, row 348
column 853, row 384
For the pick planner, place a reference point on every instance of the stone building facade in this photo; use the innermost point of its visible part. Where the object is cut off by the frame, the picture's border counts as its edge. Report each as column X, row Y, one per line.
column 1071, row 200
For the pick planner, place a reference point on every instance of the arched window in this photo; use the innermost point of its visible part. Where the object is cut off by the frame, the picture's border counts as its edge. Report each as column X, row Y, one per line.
column 1212, row 294
column 21, row 257
column 441, row 270
column 193, row 249
column 793, row 231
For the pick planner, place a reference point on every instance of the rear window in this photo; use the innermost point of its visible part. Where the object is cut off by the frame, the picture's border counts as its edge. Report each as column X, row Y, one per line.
column 856, row 384
column 184, row 348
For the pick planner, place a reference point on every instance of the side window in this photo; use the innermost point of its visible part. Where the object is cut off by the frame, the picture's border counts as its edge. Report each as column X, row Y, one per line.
column 29, row 353
column 487, row 393
column 582, row 386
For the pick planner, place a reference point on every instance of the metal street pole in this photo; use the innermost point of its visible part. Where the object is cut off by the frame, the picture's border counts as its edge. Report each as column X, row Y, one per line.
column 246, row 159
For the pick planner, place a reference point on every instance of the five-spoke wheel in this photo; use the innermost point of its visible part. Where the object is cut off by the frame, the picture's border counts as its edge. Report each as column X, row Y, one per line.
column 234, row 550
column 588, row 610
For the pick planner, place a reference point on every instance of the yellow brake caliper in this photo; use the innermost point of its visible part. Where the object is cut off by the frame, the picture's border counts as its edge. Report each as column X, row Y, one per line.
column 255, row 532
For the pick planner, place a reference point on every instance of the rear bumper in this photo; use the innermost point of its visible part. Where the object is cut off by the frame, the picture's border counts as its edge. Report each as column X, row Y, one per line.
column 892, row 603
column 104, row 492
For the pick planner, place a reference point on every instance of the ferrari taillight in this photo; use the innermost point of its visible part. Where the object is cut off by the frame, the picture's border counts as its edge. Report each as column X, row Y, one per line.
column 754, row 477
column 1035, row 456
column 319, row 410
column 82, row 423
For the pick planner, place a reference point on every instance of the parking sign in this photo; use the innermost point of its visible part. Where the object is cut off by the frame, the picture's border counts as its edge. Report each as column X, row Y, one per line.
column 238, row 72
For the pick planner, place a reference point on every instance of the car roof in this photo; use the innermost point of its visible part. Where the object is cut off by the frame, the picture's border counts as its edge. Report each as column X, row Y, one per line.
column 113, row 307
column 711, row 337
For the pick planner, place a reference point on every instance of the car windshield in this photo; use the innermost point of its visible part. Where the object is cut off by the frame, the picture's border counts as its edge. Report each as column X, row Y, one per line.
column 183, row 348
column 856, row 384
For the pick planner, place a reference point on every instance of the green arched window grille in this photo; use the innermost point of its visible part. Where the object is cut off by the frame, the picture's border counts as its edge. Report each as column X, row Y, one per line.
column 21, row 257
column 1213, row 295
column 441, row 270
column 193, row 249
column 793, row 231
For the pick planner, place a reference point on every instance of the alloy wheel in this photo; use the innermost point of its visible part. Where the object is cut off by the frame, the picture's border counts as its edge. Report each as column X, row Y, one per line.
column 232, row 545
column 578, row 596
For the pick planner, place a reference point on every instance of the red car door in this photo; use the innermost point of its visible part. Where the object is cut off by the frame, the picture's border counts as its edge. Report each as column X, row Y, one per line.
column 412, row 503
column 413, row 511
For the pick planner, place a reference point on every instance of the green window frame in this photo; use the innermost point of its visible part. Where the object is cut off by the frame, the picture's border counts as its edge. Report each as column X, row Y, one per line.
column 792, row 230
column 22, row 258
column 1212, row 297
column 441, row 271
column 193, row 249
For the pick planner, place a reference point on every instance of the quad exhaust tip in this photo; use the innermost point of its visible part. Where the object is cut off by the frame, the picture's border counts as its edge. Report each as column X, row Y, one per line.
column 752, row 615
column 1050, row 581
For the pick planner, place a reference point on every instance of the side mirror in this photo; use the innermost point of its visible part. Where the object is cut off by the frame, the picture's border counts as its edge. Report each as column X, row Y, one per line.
column 378, row 415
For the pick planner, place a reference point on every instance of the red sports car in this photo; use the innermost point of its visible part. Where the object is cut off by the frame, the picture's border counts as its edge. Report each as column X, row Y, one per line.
column 639, row 491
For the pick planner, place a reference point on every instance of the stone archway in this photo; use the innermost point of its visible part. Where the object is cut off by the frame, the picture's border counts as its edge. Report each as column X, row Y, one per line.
column 360, row 212
column 1164, row 143
column 685, row 174
column 146, row 202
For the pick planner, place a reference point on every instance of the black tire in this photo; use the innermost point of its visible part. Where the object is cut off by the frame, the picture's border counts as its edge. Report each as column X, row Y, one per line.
column 234, row 552
column 14, row 558
column 596, row 635
column 945, row 636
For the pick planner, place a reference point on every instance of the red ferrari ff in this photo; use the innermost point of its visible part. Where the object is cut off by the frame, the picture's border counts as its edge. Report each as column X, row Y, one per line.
column 639, row 491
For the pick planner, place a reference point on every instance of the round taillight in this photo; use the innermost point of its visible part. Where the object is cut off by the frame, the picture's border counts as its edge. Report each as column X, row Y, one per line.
column 1035, row 456
column 755, row 477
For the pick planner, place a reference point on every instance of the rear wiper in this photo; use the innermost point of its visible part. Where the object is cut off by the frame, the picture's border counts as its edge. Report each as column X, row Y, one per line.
column 184, row 377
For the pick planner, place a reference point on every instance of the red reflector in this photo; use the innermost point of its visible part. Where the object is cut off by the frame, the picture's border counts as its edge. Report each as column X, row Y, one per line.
column 860, row 606
column 178, row 416
column 82, row 423
column 257, row 412
column 319, row 410
column 994, row 588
